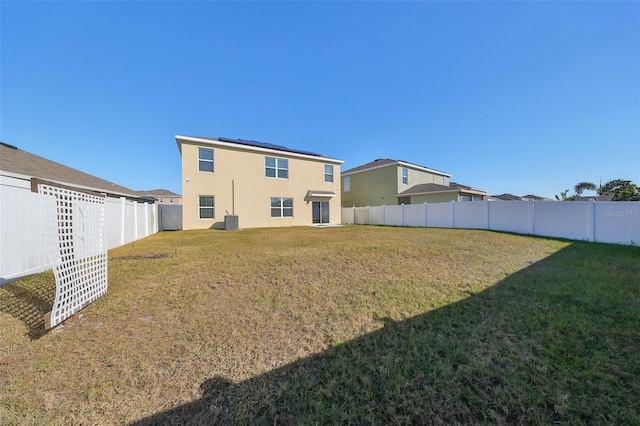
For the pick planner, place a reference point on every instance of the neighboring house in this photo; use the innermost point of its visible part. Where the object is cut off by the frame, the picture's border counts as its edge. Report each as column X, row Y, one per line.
column 388, row 182
column 264, row 185
column 19, row 165
column 163, row 196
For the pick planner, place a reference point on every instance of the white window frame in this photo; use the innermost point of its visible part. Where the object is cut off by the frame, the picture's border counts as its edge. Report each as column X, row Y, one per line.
column 202, row 161
column 212, row 207
column 405, row 176
column 277, row 167
column 281, row 207
column 328, row 173
column 346, row 183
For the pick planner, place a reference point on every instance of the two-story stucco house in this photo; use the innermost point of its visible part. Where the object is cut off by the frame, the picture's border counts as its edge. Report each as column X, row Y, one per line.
column 264, row 185
column 389, row 182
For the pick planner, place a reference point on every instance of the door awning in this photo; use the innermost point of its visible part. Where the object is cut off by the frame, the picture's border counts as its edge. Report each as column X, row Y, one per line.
column 321, row 194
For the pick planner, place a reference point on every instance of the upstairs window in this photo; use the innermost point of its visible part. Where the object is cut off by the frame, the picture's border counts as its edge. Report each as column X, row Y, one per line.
column 281, row 207
column 276, row 168
column 205, row 160
column 328, row 173
column 405, row 176
column 346, row 183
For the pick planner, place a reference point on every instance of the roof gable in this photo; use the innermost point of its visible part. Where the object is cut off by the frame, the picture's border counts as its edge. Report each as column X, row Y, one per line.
column 385, row 162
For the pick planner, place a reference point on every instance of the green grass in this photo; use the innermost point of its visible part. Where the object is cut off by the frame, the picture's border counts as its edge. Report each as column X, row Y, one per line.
column 360, row 325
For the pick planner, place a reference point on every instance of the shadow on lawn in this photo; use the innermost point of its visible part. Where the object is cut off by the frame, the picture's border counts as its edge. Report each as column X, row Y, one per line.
column 28, row 300
column 519, row 352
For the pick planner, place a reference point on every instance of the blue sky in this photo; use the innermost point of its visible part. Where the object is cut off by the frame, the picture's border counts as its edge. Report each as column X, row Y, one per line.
column 518, row 97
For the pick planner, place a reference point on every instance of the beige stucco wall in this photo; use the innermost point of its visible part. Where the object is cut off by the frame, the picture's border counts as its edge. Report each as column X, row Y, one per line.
column 244, row 169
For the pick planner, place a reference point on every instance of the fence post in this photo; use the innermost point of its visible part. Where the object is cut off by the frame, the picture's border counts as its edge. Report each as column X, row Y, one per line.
column 354, row 215
column 135, row 220
column 368, row 222
column 123, row 212
column 146, row 219
column 453, row 214
column 425, row 216
column 591, row 223
column 532, row 228
column 488, row 214
column 384, row 214
column 403, row 214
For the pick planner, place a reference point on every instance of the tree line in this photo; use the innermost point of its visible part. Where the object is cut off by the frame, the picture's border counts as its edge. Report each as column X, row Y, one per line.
column 617, row 189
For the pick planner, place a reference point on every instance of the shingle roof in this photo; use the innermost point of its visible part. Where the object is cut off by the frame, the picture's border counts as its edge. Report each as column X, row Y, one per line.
column 381, row 162
column 432, row 188
column 511, row 197
column 258, row 144
column 15, row 160
column 159, row 192
column 507, row 197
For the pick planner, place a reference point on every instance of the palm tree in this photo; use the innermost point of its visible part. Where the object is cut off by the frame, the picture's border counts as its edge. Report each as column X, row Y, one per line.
column 580, row 187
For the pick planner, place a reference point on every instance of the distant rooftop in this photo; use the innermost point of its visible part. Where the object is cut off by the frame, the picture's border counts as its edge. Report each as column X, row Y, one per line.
column 158, row 192
column 432, row 188
column 382, row 162
column 511, row 197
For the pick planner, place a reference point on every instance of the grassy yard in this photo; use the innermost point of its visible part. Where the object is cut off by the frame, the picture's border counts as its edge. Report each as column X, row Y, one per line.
column 357, row 324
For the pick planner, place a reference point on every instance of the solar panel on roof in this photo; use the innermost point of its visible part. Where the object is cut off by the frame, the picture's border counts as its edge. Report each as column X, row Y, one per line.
column 268, row 146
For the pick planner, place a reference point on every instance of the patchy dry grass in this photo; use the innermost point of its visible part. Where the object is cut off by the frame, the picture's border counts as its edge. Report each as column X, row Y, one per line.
column 337, row 325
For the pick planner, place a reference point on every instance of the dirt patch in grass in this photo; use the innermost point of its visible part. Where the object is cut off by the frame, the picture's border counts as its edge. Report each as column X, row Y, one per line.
column 338, row 325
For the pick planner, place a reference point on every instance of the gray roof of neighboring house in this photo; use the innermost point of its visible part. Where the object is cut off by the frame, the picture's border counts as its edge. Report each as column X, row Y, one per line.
column 257, row 144
column 536, row 197
column 507, row 197
column 511, row 197
column 20, row 162
column 381, row 162
column 434, row 188
column 158, row 192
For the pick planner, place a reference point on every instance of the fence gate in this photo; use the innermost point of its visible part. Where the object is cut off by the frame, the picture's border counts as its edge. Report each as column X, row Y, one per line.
column 73, row 224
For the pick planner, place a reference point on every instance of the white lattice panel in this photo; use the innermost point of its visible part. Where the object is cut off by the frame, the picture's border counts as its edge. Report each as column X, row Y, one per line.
column 73, row 223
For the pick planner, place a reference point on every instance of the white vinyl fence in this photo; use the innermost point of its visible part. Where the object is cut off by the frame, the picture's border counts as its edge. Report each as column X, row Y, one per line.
column 616, row 222
column 22, row 251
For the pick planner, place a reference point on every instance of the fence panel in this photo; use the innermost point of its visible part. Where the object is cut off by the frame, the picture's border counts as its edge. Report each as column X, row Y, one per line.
column 608, row 222
column 362, row 215
column 440, row 215
column 394, row 215
column 511, row 216
column 347, row 218
column 376, row 215
column 414, row 214
column 617, row 222
column 130, row 223
column 113, row 222
column 471, row 215
column 143, row 220
column 562, row 220
column 22, row 251
column 21, row 248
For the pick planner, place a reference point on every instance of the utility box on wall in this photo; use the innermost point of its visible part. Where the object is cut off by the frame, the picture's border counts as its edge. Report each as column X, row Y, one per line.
column 231, row 222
